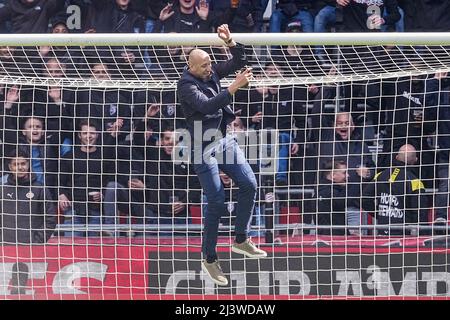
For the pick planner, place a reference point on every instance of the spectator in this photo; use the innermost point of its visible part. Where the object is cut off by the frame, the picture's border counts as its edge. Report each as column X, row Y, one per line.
column 153, row 110
column 149, row 9
column 275, row 108
column 4, row 26
column 170, row 61
column 43, row 151
column 113, row 16
column 146, row 120
column 170, row 177
column 116, row 16
column 9, row 117
column 294, row 60
column 357, row 19
column 443, row 156
column 28, row 214
column 30, row 16
column 10, row 61
column 110, row 107
column 240, row 15
column 341, row 141
column 411, row 121
column 54, row 104
column 71, row 58
column 323, row 21
column 332, row 194
column 426, row 15
column 395, row 197
column 326, row 15
column 292, row 10
column 185, row 17
column 84, row 174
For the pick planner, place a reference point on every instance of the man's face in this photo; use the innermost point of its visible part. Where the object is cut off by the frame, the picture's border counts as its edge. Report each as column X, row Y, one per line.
column 187, row 4
column 201, row 68
column 340, row 175
column 19, row 167
column 60, row 28
column 54, row 69
column 100, row 72
column 272, row 71
column 123, row 3
column 344, row 126
column 33, row 130
column 168, row 142
column 237, row 125
column 88, row 136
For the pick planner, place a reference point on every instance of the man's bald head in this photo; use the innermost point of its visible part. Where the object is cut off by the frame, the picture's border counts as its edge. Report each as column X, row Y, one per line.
column 407, row 154
column 200, row 64
column 344, row 125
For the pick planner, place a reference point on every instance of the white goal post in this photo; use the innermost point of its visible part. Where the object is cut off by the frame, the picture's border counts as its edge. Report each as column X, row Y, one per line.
column 381, row 79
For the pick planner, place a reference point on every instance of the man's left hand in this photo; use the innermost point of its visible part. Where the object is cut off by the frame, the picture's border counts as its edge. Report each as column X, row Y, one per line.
column 224, row 32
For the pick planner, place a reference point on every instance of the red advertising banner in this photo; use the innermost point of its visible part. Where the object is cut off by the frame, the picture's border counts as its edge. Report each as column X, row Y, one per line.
column 312, row 268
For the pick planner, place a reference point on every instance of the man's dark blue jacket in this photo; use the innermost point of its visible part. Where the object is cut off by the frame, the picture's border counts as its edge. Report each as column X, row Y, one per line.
column 205, row 101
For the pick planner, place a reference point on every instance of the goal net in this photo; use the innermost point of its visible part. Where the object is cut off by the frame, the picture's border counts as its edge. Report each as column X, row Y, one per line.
column 347, row 135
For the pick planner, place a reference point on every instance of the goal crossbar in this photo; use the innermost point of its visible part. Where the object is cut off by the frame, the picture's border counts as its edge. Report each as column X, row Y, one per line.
column 143, row 39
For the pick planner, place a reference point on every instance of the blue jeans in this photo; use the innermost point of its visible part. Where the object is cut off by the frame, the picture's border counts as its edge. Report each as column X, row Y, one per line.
column 283, row 156
column 279, row 21
column 399, row 25
column 81, row 216
column 237, row 168
column 323, row 19
column 260, row 17
column 257, row 219
column 149, row 26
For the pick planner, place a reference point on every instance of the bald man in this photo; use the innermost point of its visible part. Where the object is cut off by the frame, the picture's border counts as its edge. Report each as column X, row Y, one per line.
column 207, row 110
column 398, row 194
column 407, row 154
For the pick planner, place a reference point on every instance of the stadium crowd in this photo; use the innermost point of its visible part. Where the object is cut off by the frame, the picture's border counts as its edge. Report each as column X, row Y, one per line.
column 112, row 156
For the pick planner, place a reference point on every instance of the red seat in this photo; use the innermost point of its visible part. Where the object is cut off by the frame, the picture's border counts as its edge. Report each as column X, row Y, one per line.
column 290, row 215
column 196, row 214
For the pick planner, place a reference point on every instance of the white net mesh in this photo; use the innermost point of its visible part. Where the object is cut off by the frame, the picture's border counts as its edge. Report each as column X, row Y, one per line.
column 322, row 128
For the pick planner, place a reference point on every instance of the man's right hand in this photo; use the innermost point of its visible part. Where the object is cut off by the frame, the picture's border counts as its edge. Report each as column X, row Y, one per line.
column 64, row 202
column 242, row 80
column 177, row 207
column 343, row 3
column 11, row 97
column 166, row 12
column 257, row 117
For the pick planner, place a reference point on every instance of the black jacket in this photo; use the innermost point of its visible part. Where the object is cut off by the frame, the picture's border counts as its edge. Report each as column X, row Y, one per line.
column 281, row 110
column 354, row 152
column 426, row 15
column 169, row 178
column 206, row 101
column 81, row 173
column 355, row 14
column 395, row 196
column 105, row 16
column 331, row 207
column 236, row 18
column 105, row 105
column 291, row 7
column 27, row 213
column 30, row 18
column 185, row 23
column 412, row 97
column 149, row 8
